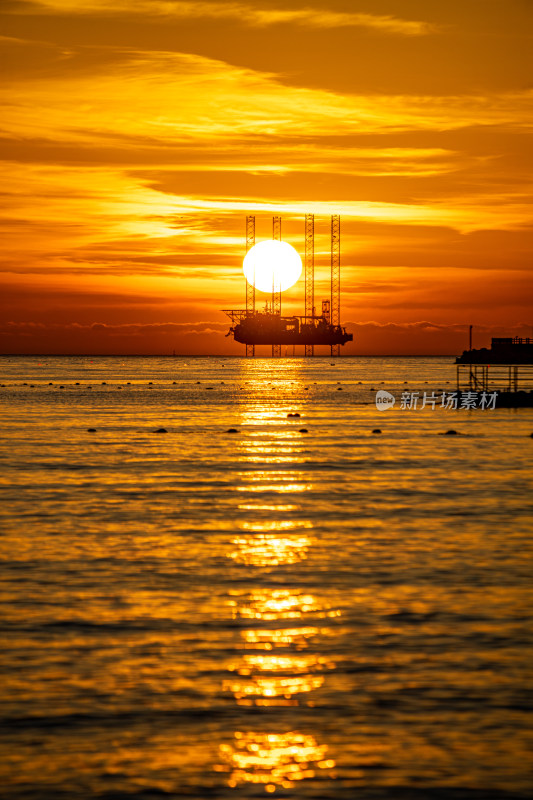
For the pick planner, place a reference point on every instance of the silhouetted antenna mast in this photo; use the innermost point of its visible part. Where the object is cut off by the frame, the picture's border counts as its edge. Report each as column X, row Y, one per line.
column 250, row 288
column 276, row 292
column 335, row 277
column 309, row 274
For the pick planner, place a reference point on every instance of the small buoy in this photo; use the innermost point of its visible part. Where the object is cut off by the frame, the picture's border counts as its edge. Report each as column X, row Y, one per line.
column 208, row 387
column 61, row 387
column 371, row 389
column 332, row 363
column 129, row 384
column 174, row 383
column 161, row 430
column 531, row 435
column 77, row 384
column 293, row 415
column 150, row 383
column 231, row 430
column 50, row 384
column 24, row 384
column 32, row 386
column 91, row 430
column 304, row 430
column 104, row 383
column 198, row 381
column 451, row 433
column 376, row 430
column 306, row 388
column 339, row 388
column 89, row 387
column 222, row 383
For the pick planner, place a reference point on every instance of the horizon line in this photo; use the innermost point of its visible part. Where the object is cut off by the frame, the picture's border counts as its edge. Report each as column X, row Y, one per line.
column 221, row 355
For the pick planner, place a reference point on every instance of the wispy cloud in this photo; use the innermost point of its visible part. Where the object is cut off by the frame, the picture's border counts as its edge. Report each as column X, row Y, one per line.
column 171, row 98
column 243, row 13
column 125, row 329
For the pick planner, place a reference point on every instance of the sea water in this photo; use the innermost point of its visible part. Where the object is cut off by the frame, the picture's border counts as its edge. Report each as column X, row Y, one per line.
column 302, row 608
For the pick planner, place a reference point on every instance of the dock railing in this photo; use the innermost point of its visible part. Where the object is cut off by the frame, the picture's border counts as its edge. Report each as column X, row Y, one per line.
column 495, row 377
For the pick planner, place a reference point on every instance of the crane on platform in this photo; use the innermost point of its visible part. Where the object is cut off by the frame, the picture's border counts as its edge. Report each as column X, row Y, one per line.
column 309, row 274
column 276, row 291
column 250, row 286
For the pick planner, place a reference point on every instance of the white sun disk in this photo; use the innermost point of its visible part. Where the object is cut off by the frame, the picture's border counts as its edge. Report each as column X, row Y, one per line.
column 272, row 266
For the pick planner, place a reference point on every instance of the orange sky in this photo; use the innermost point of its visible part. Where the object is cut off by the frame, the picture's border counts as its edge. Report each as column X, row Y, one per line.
column 137, row 134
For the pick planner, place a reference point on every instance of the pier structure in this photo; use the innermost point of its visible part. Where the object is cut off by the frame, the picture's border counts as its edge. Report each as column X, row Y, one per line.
column 268, row 327
column 506, row 366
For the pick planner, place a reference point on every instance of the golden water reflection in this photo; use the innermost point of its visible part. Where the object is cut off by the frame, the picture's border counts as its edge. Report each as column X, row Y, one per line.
column 276, row 667
column 274, row 447
column 273, row 759
column 269, row 549
column 275, row 487
column 273, row 690
column 266, row 507
column 275, row 525
column 275, row 663
column 268, row 639
column 270, row 436
column 284, row 674
column 275, row 604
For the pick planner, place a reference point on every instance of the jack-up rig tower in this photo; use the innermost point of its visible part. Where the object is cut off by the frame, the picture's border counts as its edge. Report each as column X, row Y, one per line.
column 251, row 327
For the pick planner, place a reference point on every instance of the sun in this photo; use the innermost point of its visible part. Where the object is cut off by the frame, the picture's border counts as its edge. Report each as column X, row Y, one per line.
column 272, row 266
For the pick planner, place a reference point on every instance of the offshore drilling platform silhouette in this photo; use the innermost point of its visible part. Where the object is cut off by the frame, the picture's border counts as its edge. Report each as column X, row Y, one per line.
column 268, row 327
